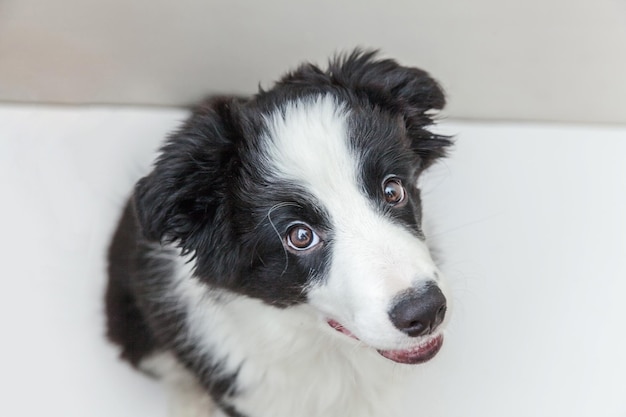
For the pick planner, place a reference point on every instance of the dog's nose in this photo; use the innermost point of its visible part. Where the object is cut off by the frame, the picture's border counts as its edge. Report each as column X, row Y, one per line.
column 419, row 311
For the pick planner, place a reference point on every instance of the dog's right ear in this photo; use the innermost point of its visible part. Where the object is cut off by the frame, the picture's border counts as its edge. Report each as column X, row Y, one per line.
column 184, row 200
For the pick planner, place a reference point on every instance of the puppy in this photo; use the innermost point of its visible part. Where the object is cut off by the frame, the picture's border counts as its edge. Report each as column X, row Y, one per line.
column 273, row 263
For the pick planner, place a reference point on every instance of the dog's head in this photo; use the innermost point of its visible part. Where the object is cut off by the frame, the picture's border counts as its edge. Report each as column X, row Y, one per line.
column 307, row 193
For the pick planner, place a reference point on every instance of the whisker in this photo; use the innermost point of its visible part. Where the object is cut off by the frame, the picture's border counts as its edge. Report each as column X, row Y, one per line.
column 269, row 218
column 464, row 225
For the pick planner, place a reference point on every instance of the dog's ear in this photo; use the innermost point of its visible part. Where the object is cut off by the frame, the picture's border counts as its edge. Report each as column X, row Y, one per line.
column 184, row 200
column 409, row 92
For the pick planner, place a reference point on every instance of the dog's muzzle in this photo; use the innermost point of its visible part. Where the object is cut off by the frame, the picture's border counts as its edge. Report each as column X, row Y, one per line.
column 416, row 312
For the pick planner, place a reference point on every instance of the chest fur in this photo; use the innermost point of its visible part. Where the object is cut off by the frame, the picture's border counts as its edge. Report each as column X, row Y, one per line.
column 289, row 362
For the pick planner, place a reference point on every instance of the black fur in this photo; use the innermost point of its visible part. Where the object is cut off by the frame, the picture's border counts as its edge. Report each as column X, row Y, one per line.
column 203, row 196
column 384, row 84
column 141, row 319
column 126, row 324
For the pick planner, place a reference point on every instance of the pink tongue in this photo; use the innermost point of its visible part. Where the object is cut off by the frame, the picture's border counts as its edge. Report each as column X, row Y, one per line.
column 419, row 354
column 337, row 326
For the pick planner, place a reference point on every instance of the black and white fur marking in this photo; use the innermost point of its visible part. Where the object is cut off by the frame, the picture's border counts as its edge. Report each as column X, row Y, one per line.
column 273, row 263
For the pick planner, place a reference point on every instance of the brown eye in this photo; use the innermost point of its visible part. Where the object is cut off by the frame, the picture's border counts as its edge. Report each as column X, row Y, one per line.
column 394, row 192
column 302, row 237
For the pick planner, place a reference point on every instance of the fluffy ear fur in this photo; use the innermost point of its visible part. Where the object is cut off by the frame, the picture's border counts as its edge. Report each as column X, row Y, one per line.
column 183, row 200
column 409, row 92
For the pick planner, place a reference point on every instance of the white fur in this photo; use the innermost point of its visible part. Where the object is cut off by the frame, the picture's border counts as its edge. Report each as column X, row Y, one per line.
column 290, row 362
column 187, row 398
column 373, row 258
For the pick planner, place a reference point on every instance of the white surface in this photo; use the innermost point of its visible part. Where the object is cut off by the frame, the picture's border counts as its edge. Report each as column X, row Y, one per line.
column 530, row 222
column 515, row 59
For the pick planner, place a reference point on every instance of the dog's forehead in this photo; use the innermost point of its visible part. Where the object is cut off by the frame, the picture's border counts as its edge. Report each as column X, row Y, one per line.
column 307, row 142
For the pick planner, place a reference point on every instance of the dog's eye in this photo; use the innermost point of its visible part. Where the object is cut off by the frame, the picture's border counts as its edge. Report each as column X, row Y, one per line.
column 394, row 192
column 301, row 237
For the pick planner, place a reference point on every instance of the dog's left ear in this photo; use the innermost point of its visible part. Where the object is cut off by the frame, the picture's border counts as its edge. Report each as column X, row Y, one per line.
column 409, row 92
column 404, row 91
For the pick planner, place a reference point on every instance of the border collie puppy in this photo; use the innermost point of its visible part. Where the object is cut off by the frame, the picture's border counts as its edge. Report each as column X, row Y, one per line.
column 273, row 263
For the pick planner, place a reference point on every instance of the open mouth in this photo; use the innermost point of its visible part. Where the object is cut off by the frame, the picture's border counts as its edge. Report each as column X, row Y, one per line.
column 420, row 353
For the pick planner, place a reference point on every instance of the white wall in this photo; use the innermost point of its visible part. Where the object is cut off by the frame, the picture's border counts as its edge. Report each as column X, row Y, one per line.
column 498, row 59
column 529, row 218
column 529, row 221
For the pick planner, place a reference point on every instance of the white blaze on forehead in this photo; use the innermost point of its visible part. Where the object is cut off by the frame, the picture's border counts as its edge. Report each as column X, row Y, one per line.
column 374, row 258
column 308, row 144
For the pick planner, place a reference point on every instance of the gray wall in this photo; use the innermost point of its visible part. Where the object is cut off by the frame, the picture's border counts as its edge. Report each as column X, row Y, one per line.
column 555, row 60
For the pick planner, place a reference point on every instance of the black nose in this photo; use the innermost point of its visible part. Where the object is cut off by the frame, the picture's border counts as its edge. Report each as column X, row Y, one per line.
column 419, row 311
